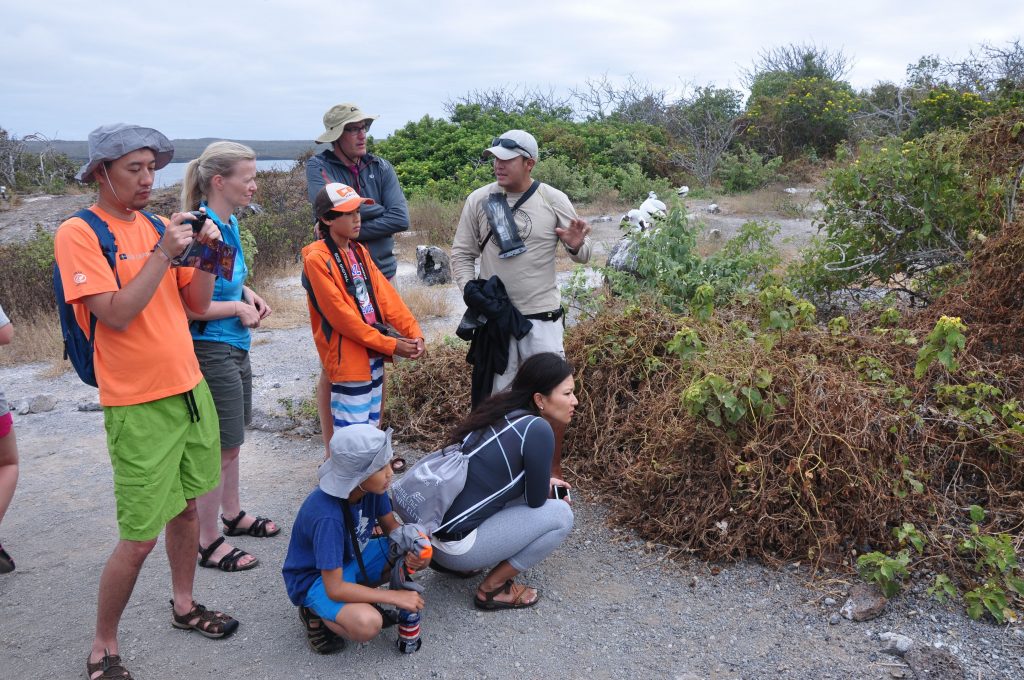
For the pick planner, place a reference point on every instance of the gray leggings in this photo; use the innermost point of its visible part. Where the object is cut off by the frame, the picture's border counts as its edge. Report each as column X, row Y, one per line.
column 518, row 533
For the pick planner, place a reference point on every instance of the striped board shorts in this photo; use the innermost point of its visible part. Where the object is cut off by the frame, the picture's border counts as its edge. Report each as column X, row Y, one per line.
column 359, row 402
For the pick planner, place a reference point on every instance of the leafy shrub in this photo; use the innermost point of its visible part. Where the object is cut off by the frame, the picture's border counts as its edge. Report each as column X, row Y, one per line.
column 634, row 186
column 26, row 277
column 579, row 185
column 902, row 215
column 745, row 169
column 670, row 270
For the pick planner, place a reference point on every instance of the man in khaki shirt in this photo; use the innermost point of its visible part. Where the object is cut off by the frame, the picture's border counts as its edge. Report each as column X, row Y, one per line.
column 543, row 220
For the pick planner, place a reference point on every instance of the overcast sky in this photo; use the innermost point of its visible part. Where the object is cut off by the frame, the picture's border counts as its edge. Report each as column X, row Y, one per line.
column 268, row 69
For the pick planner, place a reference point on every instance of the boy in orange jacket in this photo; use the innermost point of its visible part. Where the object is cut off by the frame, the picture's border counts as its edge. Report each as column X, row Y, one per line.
column 358, row 318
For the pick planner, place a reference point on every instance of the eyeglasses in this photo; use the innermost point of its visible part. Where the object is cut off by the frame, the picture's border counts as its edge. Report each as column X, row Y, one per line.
column 507, row 143
column 357, row 128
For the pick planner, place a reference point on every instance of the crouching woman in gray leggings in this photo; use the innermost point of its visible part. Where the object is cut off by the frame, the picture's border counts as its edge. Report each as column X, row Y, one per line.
column 504, row 516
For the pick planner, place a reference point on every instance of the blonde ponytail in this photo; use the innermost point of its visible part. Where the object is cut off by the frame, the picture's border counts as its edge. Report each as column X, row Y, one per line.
column 219, row 158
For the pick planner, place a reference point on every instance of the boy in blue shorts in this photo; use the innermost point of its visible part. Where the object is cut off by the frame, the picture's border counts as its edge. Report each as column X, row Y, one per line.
column 334, row 563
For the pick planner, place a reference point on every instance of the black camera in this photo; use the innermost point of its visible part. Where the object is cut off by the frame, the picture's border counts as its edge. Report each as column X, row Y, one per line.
column 199, row 221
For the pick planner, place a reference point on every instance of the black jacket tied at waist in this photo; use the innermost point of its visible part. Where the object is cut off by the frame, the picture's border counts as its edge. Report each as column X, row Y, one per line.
column 489, row 323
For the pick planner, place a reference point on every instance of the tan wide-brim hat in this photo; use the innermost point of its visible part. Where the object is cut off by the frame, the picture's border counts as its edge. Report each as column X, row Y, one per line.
column 337, row 117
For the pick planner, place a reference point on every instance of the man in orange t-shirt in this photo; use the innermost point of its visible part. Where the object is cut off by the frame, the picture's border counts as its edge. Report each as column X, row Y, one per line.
column 162, row 429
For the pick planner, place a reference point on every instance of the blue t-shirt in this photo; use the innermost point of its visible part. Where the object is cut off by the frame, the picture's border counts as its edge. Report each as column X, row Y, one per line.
column 229, row 330
column 320, row 541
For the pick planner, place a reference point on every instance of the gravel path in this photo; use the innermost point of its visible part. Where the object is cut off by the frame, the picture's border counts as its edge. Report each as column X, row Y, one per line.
column 613, row 607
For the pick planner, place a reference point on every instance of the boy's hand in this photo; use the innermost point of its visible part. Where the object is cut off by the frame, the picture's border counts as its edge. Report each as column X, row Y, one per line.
column 415, row 562
column 409, row 600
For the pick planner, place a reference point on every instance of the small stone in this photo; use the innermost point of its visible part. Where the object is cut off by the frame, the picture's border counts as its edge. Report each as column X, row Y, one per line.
column 89, row 406
column 713, row 209
column 276, row 385
column 20, row 407
column 895, row 643
column 42, row 403
column 834, row 619
column 432, row 265
column 830, row 602
column 865, row 603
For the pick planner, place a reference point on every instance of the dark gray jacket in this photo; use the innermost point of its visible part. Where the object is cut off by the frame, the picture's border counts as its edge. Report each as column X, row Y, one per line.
column 377, row 180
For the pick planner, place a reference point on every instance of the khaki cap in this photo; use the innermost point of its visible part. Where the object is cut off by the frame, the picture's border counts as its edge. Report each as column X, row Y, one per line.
column 337, row 117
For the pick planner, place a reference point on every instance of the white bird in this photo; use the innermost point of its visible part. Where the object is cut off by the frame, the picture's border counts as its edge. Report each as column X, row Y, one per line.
column 683, row 190
column 637, row 219
column 652, row 206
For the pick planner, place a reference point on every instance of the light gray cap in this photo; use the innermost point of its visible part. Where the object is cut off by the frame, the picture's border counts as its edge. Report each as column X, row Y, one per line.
column 110, row 142
column 357, row 451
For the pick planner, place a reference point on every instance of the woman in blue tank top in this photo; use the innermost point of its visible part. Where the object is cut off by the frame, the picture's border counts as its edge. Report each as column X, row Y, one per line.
column 220, row 181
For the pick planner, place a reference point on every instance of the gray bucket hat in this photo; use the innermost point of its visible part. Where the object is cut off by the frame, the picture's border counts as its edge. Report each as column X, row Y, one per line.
column 357, row 451
column 337, row 117
column 110, row 142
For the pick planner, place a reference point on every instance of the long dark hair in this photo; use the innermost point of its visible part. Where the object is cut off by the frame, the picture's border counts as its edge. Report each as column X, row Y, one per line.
column 540, row 373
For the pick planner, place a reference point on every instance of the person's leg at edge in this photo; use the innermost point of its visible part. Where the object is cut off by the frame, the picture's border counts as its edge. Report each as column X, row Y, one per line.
column 181, row 537
column 323, row 409
column 209, row 506
column 116, row 584
column 8, row 471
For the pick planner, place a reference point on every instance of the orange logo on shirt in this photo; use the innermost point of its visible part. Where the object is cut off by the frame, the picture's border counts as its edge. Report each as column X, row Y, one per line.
column 79, row 278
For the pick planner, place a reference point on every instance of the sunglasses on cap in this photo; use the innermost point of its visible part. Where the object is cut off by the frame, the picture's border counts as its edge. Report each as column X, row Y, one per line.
column 507, row 143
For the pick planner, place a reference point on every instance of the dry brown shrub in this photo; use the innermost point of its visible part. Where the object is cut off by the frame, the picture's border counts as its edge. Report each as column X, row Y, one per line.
column 826, row 475
column 427, row 302
column 434, row 220
column 37, row 338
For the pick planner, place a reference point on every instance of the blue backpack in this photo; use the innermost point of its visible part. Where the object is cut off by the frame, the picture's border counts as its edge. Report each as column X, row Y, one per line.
column 78, row 347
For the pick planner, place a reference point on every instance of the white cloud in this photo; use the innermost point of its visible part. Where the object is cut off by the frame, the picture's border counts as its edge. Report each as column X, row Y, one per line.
column 263, row 69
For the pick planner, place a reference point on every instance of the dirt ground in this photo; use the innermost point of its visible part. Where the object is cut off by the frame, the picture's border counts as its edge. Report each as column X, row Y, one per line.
column 612, row 605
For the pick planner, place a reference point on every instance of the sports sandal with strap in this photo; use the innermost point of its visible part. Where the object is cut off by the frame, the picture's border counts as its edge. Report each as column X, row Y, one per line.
column 258, row 528
column 109, row 665
column 227, row 563
column 322, row 639
column 211, row 624
column 6, row 563
column 490, row 604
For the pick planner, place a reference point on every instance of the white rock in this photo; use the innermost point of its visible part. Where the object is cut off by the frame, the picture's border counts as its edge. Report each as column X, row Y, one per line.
column 896, row 643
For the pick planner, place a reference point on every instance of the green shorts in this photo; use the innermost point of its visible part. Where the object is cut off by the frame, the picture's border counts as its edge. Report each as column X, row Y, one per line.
column 161, row 457
column 229, row 375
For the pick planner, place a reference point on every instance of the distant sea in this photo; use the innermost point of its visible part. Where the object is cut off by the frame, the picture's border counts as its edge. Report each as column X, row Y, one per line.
column 174, row 172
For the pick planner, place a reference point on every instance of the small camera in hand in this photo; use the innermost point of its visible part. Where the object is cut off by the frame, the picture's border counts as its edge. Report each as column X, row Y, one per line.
column 199, row 219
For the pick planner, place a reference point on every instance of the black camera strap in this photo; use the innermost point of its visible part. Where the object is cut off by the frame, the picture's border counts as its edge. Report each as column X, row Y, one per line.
column 512, row 211
column 346, row 511
column 346, row 275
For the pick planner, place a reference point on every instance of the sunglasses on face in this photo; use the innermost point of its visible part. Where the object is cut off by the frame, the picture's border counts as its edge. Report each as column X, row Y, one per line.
column 506, row 143
column 357, row 128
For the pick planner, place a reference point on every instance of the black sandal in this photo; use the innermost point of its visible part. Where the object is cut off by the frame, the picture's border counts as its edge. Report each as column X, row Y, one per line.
column 110, row 665
column 257, row 529
column 6, row 563
column 490, row 604
column 322, row 639
column 227, row 563
column 211, row 624
column 438, row 567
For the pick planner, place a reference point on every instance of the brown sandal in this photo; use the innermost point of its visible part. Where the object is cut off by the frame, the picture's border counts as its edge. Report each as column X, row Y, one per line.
column 490, row 604
column 208, row 623
column 109, row 665
column 322, row 639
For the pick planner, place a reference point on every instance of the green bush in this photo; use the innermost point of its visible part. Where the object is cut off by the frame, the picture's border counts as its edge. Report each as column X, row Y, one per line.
column 26, row 278
column 900, row 214
column 579, row 185
column 745, row 169
column 670, row 271
column 634, row 185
